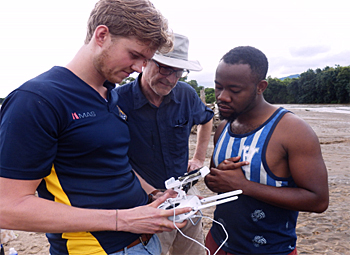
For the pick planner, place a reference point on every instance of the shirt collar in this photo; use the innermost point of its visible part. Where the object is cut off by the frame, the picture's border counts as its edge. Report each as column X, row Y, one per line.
column 112, row 95
column 109, row 85
column 140, row 99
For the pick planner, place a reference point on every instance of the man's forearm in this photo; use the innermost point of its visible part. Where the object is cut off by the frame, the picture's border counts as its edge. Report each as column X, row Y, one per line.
column 40, row 215
column 22, row 210
column 145, row 185
column 203, row 137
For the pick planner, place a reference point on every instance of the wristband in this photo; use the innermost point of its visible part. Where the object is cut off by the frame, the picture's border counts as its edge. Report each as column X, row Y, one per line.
column 151, row 195
column 116, row 220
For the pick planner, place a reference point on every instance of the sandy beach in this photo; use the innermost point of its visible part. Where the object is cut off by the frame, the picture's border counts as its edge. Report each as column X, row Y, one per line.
column 326, row 233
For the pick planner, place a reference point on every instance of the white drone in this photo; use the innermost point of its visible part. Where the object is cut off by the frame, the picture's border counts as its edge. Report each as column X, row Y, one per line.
column 184, row 200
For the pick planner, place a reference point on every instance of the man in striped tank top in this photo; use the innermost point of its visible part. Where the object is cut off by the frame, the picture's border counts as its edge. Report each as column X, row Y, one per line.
column 269, row 153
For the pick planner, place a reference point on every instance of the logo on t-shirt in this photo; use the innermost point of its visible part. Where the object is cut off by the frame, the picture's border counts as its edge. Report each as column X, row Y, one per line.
column 77, row 116
column 122, row 114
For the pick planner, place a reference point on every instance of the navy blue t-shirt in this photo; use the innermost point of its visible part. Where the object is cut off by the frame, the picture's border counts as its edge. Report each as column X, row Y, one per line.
column 159, row 135
column 57, row 128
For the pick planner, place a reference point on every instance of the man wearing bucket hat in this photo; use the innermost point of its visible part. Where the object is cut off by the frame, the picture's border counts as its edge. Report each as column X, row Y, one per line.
column 161, row 110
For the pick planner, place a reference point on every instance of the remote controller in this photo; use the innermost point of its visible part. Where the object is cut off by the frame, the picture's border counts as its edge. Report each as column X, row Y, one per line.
column 183, row 200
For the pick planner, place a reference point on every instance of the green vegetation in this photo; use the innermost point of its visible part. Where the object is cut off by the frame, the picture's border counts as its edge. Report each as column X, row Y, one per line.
column 209, row 92
column 127, row 80
column 327, row 86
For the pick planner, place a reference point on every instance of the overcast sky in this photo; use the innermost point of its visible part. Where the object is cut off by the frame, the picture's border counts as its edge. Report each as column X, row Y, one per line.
column 295, row 35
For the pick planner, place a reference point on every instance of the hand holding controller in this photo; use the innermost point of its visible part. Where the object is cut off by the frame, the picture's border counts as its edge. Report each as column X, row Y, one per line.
column 182, row 200
column 188, row 201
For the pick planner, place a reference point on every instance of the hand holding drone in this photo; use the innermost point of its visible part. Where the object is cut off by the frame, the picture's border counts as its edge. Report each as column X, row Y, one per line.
column 182, row 184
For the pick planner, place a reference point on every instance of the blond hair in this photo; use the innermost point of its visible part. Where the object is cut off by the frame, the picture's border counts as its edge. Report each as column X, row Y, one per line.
column 138, row 18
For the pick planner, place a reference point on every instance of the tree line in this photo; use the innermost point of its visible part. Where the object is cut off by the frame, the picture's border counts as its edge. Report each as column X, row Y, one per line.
column 321, row 86
column 327, row 86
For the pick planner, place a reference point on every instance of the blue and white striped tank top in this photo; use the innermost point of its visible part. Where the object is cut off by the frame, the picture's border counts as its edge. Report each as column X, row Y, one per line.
column 252, row 148
column 254, row 227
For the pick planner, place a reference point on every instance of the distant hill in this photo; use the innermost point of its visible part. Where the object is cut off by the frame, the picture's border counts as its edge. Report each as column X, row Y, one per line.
column 290, row 76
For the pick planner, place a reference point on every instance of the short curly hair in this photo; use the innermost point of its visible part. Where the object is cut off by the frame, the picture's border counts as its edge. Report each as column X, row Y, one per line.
column 251, row 56
column 138, row 18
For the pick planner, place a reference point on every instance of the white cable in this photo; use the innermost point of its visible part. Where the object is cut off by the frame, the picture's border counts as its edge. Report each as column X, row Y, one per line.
column 222, row 244
column 201, row 216
column 194, row 240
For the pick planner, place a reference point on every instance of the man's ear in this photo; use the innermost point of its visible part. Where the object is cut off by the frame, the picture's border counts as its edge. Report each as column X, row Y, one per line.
column 146, row 63
column 101, row 34
column 262, row 85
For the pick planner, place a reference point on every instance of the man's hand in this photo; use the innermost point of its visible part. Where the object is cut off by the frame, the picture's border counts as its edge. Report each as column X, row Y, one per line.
column 232, row 163
column 171, row 193
column 148, row 218
column 227, row 176
column 194, row 164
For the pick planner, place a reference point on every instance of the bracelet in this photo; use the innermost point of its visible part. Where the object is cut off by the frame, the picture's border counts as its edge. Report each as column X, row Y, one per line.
column 116, row 220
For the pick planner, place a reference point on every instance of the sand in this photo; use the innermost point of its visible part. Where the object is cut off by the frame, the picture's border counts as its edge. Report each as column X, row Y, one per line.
column 325, row 233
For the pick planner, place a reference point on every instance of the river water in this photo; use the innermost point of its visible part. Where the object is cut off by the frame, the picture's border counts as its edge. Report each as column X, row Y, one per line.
column 334, row 108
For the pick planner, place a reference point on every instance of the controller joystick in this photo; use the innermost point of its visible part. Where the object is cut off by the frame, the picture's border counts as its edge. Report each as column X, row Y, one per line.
column 183, row 200
column 188, row 201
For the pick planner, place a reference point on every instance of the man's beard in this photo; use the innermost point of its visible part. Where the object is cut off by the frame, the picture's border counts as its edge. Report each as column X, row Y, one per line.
column 230, row 118
column 99, row 64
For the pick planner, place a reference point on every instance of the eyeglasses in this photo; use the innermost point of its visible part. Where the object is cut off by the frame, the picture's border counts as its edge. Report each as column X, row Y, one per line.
column 164, row 70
